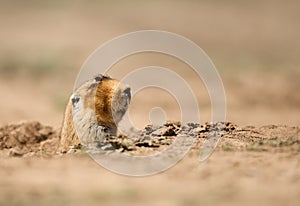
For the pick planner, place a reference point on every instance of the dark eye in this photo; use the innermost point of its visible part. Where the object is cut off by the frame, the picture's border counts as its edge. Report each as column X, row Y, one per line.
column 75, row 100
column 128, row 92
column 98, row 78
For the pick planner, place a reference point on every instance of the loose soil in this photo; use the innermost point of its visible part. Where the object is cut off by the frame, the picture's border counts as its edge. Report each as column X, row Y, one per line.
column 34, row 139
column 249, row 165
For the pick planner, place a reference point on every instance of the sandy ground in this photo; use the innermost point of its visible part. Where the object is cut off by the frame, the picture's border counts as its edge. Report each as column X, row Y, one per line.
column 250, row 166
column 227, row 178
column 254, row 45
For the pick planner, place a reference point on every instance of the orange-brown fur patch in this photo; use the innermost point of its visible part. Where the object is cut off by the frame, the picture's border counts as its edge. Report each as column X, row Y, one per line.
column 103, row 101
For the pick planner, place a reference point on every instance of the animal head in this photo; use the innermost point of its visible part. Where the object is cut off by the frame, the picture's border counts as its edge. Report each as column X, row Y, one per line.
column 105, row 98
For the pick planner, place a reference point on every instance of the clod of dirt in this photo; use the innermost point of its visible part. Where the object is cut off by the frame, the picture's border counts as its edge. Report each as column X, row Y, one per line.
column 28, row 138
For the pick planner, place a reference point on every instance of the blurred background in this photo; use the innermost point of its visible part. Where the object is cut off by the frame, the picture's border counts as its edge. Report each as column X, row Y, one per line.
column 254, row 45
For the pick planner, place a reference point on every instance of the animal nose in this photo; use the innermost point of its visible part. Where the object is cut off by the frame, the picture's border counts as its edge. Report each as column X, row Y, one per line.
column 127, row 91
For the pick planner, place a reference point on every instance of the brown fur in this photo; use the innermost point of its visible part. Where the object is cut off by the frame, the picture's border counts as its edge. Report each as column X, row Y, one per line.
column 68, row 136
column 101, row 104
column 103, row 101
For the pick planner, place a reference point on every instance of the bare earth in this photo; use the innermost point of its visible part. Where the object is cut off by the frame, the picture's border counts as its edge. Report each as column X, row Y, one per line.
column 250, row 165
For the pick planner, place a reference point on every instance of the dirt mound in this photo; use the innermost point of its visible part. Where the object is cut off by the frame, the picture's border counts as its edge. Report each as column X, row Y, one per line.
column 274, row 138
column 35, row 139
column 28, row 138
